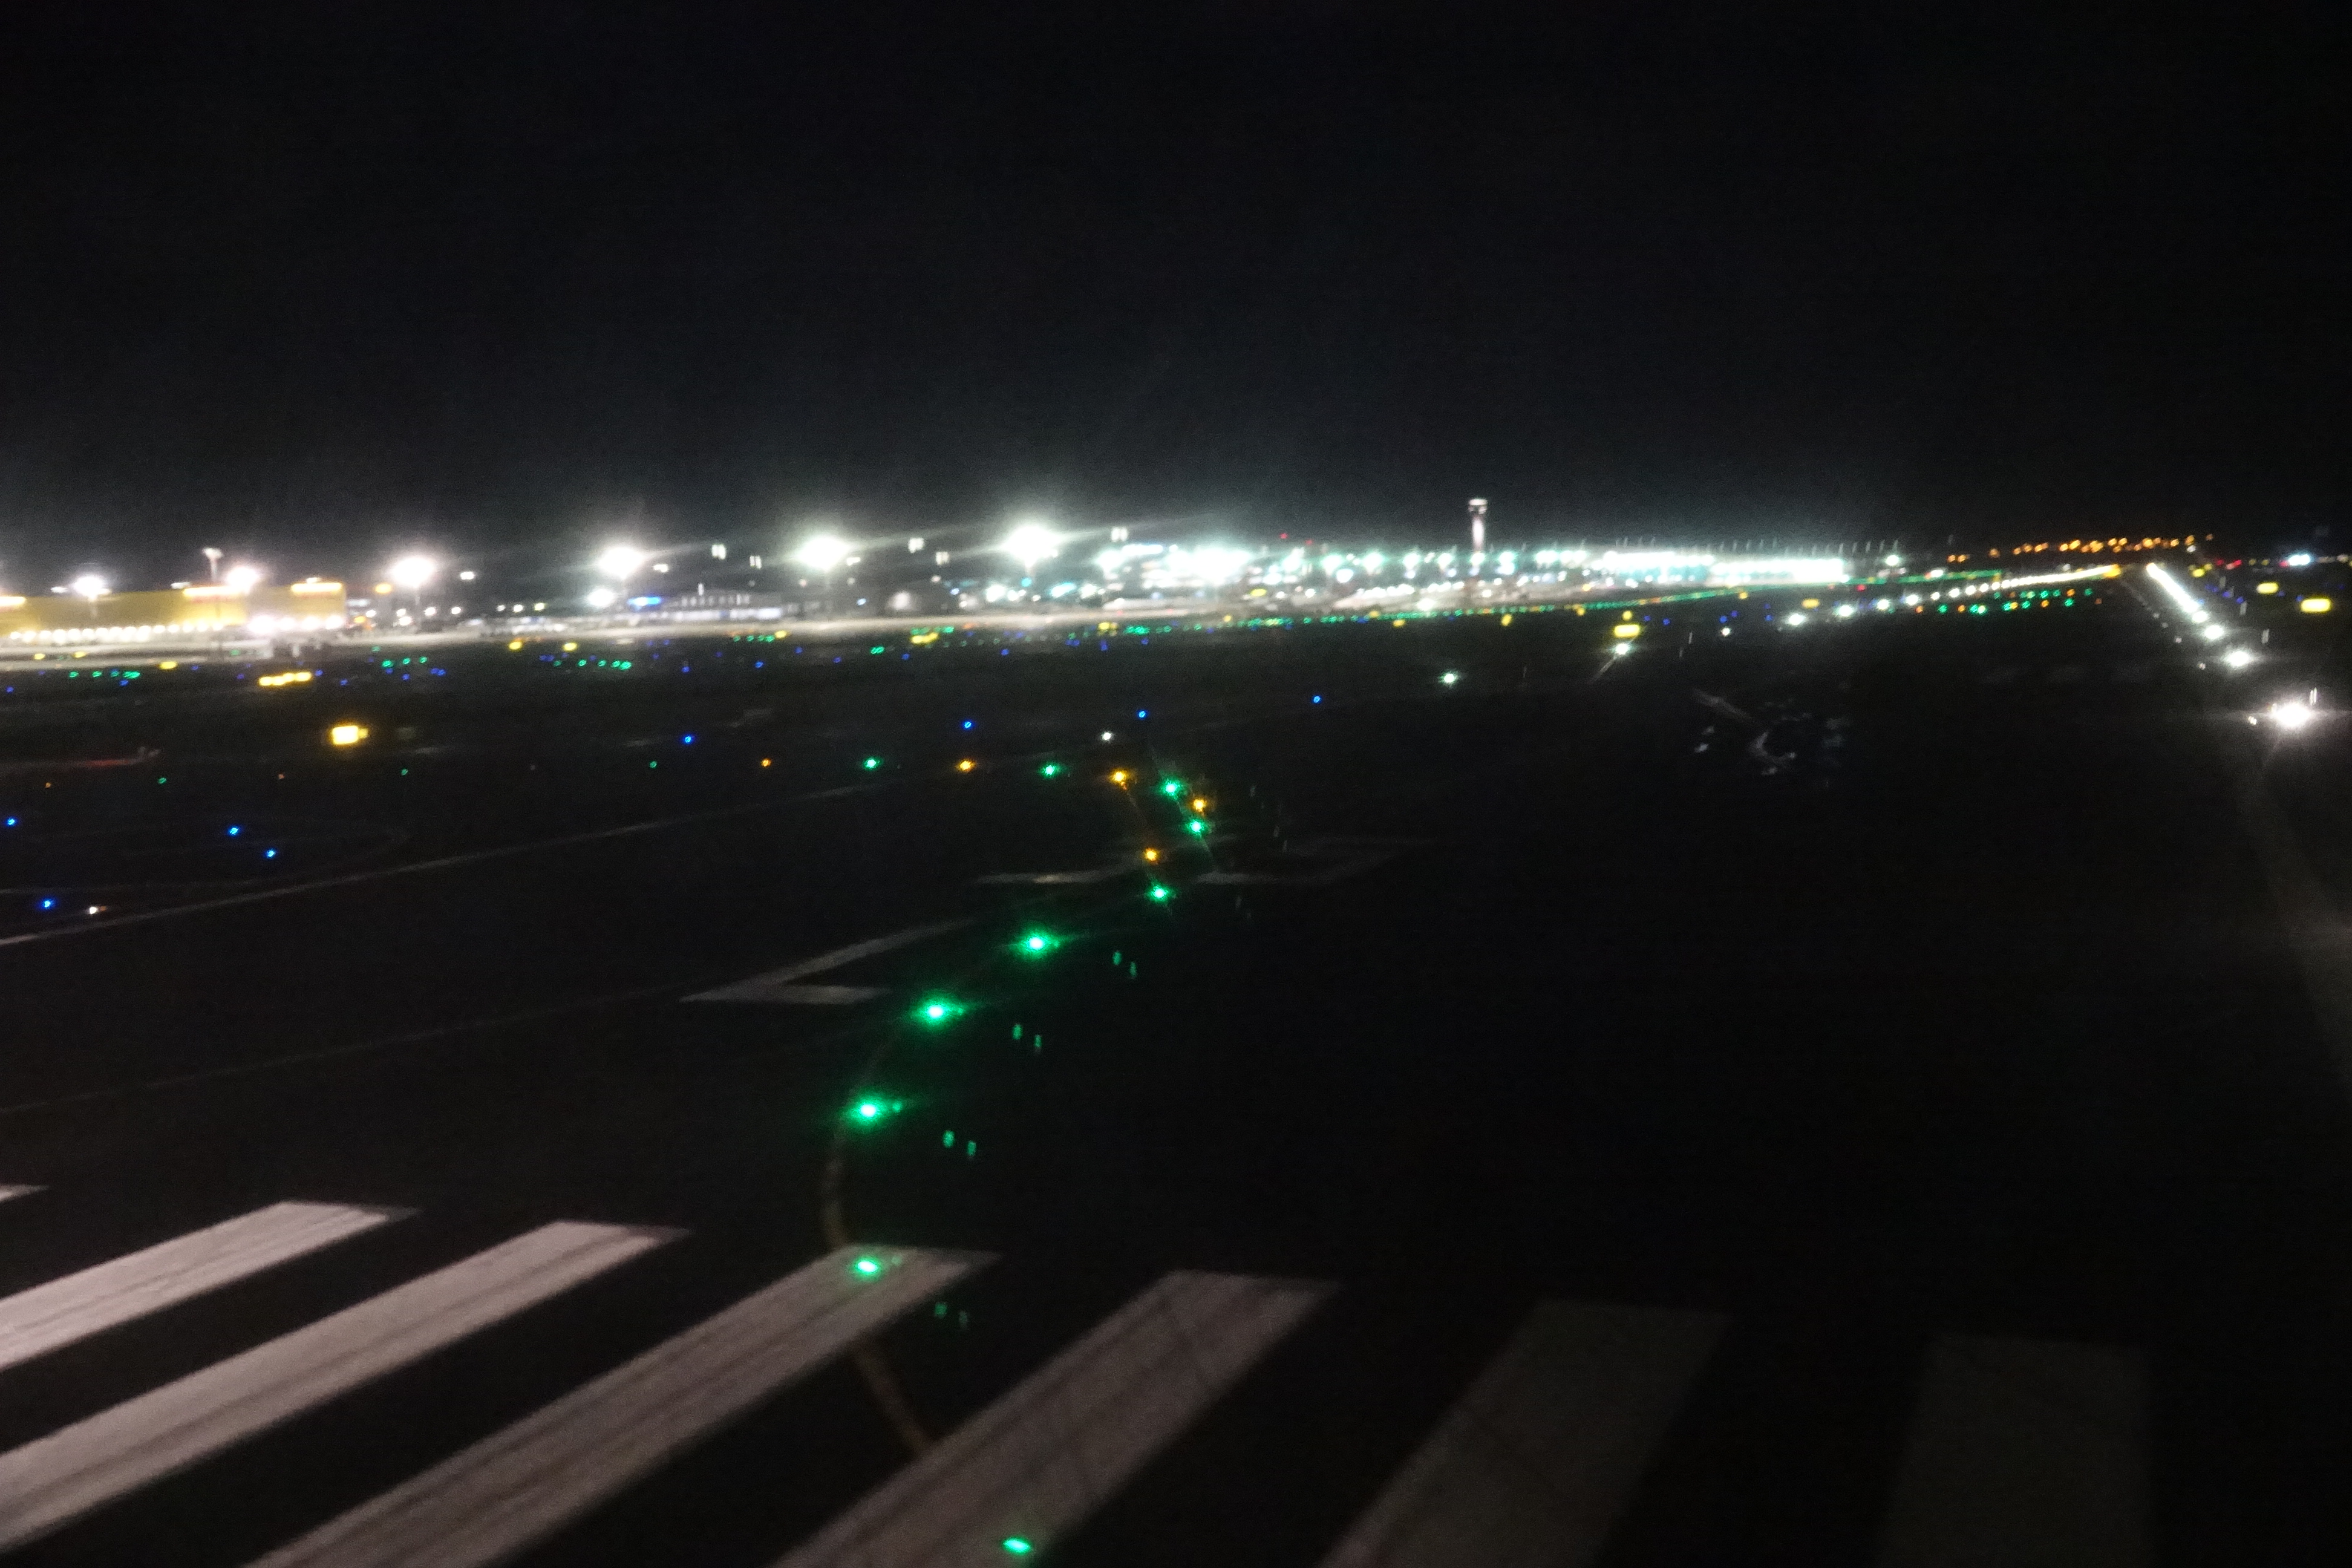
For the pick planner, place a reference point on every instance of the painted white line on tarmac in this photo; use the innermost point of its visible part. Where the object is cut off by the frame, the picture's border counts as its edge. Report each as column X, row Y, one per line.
column 521, row 1484
column 810, row 995
column 470, row 857
column 1055, row 878
column 1533, row 1465
column 1033, row 1466
column 55, row 1479
column 33, row 1322
column 765, row 987
column 2023, row 1451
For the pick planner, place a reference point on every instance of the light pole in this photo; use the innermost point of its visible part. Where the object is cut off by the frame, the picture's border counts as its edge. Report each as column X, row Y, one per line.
column 91, row 586
column 821, row 554
column 412, row 573
column 620, row 562
column 1029, row 543
column 212, row 561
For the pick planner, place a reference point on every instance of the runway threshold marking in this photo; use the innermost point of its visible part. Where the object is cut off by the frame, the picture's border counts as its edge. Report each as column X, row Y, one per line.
column 778, row 985
column 518, row 1486
column 1033, row 1465
column 55, row 1479
column 34, row 1321
column 1535, row 1462
column 2023, row 1451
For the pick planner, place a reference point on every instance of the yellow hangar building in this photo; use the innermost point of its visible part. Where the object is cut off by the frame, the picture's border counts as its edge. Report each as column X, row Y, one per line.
column 166, row 615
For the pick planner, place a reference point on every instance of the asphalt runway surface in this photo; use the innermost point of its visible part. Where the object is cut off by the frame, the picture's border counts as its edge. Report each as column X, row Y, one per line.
column 1857, row 991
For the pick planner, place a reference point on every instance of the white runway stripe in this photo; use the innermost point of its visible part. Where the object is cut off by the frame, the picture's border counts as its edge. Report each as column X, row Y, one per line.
column 761, row 987
column 1034, row 1464
column 508, row 1491
column 1532, row 1467
column 8, row 1192
column 1057, row 878
column 57, row 1479
column 2023, row 1451
column 797, row 995
column 36, row 1322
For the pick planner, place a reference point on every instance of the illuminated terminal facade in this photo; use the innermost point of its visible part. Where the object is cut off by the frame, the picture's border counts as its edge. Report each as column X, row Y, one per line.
column 163, row 615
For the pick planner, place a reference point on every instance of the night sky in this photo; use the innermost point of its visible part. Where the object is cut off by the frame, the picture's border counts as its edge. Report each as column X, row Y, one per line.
column 310, row 283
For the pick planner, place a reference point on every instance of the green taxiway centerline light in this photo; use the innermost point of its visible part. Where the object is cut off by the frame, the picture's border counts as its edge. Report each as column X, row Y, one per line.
column 1015, row 1546
column 1171, row 786
column 1038, row 942
column 1197, row 826
column 873, row 762
column 1159, row 893
column 937, row 1010
column 1050, row 770
column 867, row 1268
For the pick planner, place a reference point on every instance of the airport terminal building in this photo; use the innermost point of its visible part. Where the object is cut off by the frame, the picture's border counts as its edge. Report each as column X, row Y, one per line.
column 199, row 610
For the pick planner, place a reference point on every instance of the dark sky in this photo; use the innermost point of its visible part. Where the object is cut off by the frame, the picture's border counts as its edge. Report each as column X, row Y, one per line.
column 308, row 282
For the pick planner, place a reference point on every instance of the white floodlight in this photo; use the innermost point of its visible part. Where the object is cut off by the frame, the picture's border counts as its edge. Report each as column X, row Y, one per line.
column 821, row 552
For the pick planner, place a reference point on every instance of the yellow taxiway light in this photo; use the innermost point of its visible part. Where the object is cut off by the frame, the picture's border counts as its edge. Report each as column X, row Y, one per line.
column 2317, row 605
column 286, row 677
column 347, row 734
column 1625, row 629
column 2266, row 588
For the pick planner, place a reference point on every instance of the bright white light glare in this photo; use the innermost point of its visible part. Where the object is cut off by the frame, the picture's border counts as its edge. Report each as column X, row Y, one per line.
column 413, row 572
column 2291, row 714
column 2074, row 576
column 89, row 585
column 2213, row 633
column 821, row 551
column 1796, row 619
column 2182, row 599
column 1031, row 543
column 620, row 559
column 241, row 579
column 2300, row 558
column 1622, row 648
column 2238, row 659
column 599, row 597
column 1789, row 569
column 1843, row 611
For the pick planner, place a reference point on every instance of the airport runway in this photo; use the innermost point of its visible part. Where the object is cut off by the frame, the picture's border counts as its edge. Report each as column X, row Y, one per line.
column 1548, row 1117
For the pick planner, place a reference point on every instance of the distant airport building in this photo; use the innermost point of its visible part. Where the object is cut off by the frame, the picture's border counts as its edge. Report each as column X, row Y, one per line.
column 165, row 614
